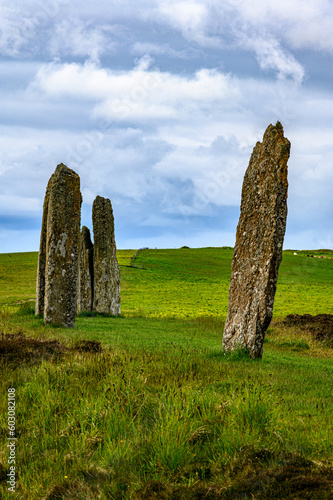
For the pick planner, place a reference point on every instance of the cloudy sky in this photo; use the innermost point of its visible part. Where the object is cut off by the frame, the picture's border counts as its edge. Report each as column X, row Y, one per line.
column 157, row 105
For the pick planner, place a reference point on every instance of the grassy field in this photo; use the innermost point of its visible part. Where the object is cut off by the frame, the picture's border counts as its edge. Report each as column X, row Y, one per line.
column 187, row 283
column 156, row 410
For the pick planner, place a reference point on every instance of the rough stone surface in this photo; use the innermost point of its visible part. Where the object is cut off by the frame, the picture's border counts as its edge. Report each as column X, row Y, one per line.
column 259, row 240
column 62, row 245
column 106, row 269
column 40, row 284
column 86, row 272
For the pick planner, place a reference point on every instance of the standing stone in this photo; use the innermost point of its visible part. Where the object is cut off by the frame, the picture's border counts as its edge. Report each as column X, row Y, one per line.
column 258, row 249
column 40, row 285
column 106, row 269
column 86, row 272
column 62, row 244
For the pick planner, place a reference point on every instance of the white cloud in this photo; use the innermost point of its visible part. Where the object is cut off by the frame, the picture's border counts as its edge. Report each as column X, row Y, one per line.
column 271, row 56
column 76, row 38
column 14, row 31
column 298, row 24
column 302, row 24
column 34, row 26
column 24, row 25
column 192, row 134
column 142, row 48
column 139, row 94
column 271, row 29
column 191, row 18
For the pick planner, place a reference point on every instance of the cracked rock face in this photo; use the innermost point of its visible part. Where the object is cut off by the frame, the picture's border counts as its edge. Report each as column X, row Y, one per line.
column 58, row 256
column 106, row 269
column 86, row 272
column 259, row 240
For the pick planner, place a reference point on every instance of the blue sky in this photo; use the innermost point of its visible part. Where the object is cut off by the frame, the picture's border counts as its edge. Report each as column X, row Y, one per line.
column 157, row 105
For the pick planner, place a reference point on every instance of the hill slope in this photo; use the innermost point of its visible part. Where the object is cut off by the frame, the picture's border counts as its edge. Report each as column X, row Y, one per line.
column 188, row 282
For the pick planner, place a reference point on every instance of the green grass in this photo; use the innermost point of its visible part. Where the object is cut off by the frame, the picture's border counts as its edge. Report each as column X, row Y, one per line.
column 162, row 413
column 195, row 282
column 18, row 273
column 188, row 283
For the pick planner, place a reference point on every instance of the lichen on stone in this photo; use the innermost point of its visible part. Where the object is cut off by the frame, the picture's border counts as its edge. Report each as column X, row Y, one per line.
column 258, row 248
column 106, row 268
column 59, row 248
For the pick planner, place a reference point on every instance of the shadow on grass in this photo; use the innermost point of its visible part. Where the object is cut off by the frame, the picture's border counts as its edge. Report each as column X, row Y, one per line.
column 264, row 474
column 237, row 355
column 94, row 314
column 255, row 473
column 320, row 326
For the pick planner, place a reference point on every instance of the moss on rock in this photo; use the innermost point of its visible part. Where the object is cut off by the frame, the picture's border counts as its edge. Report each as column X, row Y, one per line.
column 259, row 240
column 62, row 244
column 106, row 268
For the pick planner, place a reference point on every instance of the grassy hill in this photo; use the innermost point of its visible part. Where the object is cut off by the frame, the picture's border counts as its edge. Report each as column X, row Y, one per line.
column 188, row 282
column 147, row 406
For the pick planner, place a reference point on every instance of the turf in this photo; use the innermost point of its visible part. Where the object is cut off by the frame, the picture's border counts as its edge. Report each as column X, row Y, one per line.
column 187, row 283
column 147, row 406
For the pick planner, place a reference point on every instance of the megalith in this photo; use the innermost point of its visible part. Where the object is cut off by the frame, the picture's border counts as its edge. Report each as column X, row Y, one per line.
column 62, row 246
column 86, row 272
column 106, row 269
column 258, row 248
column 40, row 284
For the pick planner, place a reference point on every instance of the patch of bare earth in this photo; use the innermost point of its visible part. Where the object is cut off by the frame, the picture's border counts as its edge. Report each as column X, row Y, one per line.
column 16, row 348
column 261, row 475
column 320, row 326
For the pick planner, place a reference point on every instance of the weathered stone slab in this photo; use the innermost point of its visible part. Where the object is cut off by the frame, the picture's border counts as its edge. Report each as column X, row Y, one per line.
column 259, row 240
column 86, row 272
column 40, row 284
column 106, row 269
column 62, row 245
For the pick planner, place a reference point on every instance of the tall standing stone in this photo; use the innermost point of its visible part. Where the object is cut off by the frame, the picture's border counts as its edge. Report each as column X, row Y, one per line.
column 259, row 240
column 86, row 272
column 40, row 285
column 106, row 269
column 62, row 245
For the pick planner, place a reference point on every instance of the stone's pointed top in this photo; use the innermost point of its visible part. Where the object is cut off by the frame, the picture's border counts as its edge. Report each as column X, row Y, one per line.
column 63, row 169
column 278, row 126
column 275, row 145
column 102, row 205
column 101, row 199
column 274, row 129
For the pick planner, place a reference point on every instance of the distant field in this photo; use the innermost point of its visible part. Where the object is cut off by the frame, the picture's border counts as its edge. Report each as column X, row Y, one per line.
column 18, row 273
column 188, row 283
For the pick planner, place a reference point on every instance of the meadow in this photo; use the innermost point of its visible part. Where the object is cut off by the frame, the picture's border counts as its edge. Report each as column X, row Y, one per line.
column 147, row 406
